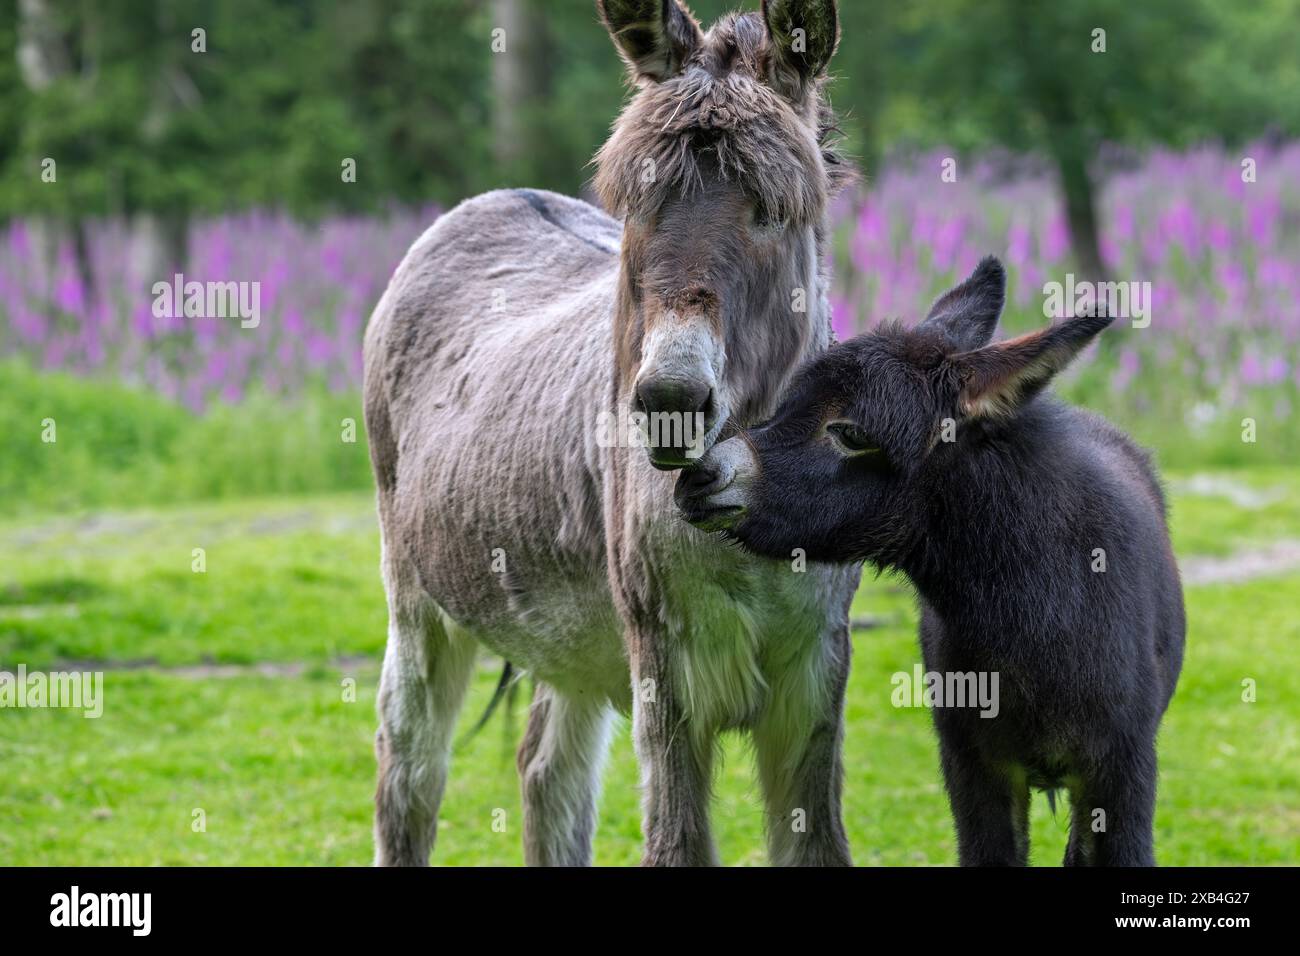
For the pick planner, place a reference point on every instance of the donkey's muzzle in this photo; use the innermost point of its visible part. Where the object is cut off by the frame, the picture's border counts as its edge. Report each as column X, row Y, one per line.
column 679, row 413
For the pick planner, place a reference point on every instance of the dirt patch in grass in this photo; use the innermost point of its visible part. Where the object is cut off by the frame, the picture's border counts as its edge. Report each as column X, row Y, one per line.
column 1280, row 557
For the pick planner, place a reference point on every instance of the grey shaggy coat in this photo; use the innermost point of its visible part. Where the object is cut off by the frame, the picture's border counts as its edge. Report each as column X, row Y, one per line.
column 512, row 333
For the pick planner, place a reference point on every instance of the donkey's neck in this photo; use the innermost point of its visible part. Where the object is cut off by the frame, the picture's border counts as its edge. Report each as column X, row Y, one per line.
column 999, row 522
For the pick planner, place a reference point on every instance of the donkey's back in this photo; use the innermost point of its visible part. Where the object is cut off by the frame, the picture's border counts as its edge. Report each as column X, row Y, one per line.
column 486, row 359
column 509, row 266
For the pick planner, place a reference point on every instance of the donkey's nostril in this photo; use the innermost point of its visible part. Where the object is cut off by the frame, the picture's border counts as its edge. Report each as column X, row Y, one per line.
column 674, row 396
column 675, row 423
column 710, row 410
column 697, row 479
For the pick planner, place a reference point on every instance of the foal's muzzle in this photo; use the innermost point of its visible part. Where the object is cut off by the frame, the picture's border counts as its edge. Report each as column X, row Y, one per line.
column 713, row 494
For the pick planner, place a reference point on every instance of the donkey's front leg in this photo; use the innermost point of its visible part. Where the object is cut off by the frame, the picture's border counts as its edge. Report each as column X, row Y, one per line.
column 797, row 743
column 427, row 667
column 676, row 762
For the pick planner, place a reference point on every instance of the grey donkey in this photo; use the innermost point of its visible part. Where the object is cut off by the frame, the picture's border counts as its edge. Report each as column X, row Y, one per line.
column 519, row 334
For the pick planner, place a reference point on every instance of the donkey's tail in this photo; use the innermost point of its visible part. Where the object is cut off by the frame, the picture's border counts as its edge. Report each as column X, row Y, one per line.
column 503, row 686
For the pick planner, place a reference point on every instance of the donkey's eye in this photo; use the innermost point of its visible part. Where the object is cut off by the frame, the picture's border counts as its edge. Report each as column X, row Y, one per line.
column 851, row 438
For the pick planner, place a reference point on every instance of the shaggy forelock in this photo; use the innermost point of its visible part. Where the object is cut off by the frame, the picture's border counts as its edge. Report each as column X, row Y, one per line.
column 719, row 106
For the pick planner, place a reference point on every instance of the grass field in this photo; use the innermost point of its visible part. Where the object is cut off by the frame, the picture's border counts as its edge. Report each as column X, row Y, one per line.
column 226, row 691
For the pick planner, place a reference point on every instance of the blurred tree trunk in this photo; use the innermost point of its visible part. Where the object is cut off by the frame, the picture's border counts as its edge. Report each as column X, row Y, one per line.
column 1057, row 101
column 42, row 55
column 1080, row 196
column 521, row 78
column 43, row 58
column 160, row 238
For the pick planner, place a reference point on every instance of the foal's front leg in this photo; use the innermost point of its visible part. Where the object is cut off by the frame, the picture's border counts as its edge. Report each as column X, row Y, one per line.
column 990, row 806
column 676, row 762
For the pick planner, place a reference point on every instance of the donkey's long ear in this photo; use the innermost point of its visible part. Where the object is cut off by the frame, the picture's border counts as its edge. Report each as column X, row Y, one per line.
column 654, row 36
column 968, row 314
column 803, row 35
column 998, row 379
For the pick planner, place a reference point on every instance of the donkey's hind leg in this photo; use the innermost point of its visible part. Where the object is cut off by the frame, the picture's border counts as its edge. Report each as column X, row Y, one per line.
column 426, row 669
column 560, row 762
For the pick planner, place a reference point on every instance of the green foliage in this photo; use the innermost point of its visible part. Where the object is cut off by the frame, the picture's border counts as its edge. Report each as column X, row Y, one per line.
column 289, row 88
column 120, row 447
column 993, row 71
column 1247, row 80
column 265, row 116
column 116, row 446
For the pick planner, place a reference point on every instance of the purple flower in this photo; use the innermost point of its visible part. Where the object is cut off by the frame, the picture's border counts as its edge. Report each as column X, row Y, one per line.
column 1056, row 240
column 841, row 318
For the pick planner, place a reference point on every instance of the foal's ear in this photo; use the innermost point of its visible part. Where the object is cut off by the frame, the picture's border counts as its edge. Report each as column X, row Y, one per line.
column 803, row 35
column 998, row 379
column 654, row 36
column 968, row 314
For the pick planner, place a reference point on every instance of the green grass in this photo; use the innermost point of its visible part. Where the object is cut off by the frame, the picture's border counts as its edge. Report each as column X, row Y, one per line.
column 119, row 446
column 1209, row 524
column 284, row 580
column 281, row 763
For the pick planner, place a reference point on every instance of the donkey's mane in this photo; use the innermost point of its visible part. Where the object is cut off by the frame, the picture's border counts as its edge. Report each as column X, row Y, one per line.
column 720, row 111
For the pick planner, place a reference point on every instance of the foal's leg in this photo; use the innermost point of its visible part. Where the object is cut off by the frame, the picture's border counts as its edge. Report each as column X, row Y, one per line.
column 1079, row 851
column 1123, row 786
column 797, row 744
column 676, row 760
column 990, row 807
column 560, row 763
column 426, row 670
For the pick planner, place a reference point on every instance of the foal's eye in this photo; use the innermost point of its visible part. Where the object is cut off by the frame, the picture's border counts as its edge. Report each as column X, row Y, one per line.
column 851, row 438
column 767, row 218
